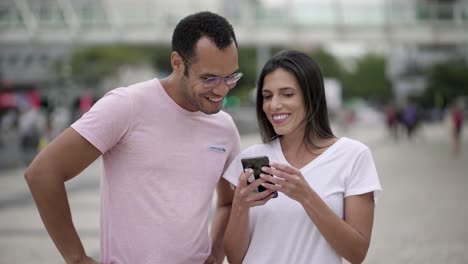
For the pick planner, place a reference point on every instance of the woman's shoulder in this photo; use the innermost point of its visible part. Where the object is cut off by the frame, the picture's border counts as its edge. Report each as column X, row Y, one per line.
column 258, row 149
column 352, row 145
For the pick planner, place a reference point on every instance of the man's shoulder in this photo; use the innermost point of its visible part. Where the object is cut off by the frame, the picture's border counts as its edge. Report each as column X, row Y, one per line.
column 221, row 118
column 224, row 116
column 141, row 87
column 135, row 92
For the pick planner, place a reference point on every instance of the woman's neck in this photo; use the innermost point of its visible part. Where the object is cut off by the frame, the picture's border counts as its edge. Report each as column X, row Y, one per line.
column 298, row 153
column 292, row 143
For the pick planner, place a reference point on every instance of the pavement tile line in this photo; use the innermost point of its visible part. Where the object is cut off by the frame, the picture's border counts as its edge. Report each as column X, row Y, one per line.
column 421, row 216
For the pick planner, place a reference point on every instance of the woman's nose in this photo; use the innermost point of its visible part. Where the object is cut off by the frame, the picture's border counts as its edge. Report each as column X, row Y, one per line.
column 275, row 103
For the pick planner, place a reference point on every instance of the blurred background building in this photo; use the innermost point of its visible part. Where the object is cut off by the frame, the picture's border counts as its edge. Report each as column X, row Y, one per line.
column 394, row 72
column 37, row 35
column 372, row 52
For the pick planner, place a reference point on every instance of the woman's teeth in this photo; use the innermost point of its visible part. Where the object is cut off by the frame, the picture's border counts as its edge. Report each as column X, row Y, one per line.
column 280, row 117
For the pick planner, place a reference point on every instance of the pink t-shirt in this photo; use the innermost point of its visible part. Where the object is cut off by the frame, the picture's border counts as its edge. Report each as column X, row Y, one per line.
column 161, row 166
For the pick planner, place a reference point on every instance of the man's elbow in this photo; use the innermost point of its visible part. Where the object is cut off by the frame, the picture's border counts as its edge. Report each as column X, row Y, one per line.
column 32, row 174
column 37, row 174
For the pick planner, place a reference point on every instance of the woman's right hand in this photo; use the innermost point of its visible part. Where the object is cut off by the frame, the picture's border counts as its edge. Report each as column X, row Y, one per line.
column 245, row 195
column 236, row 236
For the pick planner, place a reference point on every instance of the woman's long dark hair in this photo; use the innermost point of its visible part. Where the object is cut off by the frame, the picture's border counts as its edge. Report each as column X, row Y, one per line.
column 309, row 77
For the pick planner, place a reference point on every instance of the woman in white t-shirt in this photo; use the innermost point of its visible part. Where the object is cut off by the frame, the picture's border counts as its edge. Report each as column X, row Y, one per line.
column 327, row 186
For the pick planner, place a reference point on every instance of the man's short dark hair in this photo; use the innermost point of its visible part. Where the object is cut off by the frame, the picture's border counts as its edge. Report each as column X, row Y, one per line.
column 193, row 27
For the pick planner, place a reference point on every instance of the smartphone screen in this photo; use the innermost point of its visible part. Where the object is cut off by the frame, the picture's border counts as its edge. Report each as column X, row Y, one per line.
column 256, row 164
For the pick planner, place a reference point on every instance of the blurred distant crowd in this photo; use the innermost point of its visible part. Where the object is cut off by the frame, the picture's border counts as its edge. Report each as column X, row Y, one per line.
column 32, row 121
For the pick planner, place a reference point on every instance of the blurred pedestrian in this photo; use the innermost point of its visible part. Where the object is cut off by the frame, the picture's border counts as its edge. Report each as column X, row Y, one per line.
column 327, row 186
column 457, row 122
column 165, row 144
column 47, row 135
column 31, row 125
column 60, row 120
column 391, row 120
column 410, row 119
column 85, row 104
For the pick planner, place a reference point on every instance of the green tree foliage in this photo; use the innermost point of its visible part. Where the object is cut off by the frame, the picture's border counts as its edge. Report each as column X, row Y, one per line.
column 368, row 81
column 91, row 65
column 160, row 57
column 329, row 65
column 248, row 66
column 448, row 80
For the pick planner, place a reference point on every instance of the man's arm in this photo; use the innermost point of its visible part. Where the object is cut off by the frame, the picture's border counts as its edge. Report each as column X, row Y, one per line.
column 64, row 158
column 221, row 218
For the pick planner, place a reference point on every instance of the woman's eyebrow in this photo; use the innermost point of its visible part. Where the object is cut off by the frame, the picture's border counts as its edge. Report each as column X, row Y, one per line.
column 287, row 88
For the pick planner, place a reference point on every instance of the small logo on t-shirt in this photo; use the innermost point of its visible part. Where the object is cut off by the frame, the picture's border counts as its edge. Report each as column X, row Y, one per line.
column 217, row 148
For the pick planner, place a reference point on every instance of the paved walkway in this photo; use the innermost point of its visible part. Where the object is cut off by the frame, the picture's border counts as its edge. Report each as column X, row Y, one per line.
column 421, row 217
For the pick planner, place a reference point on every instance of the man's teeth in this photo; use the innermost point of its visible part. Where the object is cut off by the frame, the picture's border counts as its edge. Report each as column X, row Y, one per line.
column 280, row 117
column 215, row 99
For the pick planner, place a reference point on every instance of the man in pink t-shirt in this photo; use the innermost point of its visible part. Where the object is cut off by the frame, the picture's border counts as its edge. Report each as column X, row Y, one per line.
column 164, row 145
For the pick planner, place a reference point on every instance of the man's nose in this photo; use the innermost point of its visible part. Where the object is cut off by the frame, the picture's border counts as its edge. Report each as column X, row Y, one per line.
column 222, row 89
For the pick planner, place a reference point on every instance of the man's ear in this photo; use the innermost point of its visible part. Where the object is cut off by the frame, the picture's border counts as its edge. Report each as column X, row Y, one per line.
column 177, row 63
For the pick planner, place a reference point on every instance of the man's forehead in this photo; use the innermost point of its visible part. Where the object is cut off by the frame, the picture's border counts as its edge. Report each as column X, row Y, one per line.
column 205, row 47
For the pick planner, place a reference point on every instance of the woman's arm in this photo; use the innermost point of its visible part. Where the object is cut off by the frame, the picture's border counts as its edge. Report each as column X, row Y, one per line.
column 220, row 220
column 236, row 237
column 350, row 237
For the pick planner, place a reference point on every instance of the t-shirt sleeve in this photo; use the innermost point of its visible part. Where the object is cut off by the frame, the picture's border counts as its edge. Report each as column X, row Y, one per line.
column 234, row 170
column 106, row 123
column 363, row 177
column 235, row 147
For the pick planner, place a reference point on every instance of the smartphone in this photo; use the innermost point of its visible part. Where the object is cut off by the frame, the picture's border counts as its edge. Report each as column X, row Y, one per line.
column 256, row 164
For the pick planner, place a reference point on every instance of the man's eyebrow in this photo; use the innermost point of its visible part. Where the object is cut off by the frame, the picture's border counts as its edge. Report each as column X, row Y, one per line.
column 214, row 75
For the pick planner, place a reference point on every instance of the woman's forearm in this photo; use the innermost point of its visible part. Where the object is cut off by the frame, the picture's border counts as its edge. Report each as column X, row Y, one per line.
column 348, row 241
column 236, row 237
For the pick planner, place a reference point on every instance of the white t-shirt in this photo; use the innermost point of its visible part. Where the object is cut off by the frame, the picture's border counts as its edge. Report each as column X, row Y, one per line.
column 281, row 231
column 161, row 166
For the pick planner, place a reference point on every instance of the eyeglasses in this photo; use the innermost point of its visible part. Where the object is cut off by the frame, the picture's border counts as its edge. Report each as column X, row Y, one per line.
column 212, row 82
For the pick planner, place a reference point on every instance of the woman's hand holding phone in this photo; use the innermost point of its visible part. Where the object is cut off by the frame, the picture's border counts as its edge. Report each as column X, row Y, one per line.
column 245, row 193
column 286, row 179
